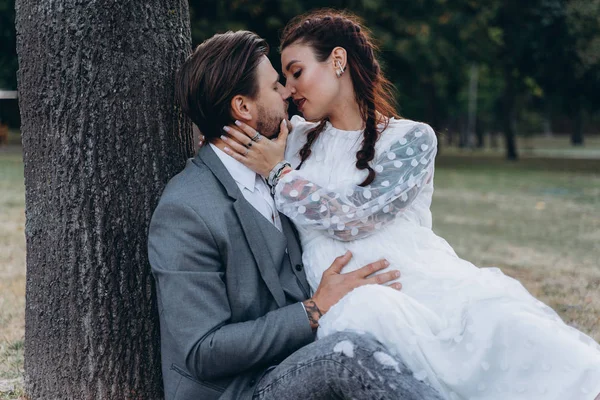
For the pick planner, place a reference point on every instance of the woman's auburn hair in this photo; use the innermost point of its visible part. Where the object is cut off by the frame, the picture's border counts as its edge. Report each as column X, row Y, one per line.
column 325, row 29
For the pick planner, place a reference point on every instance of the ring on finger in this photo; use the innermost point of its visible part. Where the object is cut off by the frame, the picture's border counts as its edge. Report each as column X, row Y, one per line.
column 256, row 137
column 249, row 145
column 247, row 151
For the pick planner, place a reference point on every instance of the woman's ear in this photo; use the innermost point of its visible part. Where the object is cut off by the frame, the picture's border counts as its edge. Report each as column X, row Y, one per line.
column 241, row 108
column 339, row 58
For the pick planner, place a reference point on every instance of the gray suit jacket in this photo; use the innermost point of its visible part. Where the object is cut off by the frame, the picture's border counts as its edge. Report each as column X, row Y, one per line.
column 224, row 316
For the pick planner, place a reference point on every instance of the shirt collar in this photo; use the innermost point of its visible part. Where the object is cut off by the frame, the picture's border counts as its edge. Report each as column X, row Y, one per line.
column 238, row 171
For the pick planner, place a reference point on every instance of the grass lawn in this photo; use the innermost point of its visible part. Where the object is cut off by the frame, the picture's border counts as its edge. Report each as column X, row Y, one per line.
column 540, row 226
column 12, row 271
column 538, row 220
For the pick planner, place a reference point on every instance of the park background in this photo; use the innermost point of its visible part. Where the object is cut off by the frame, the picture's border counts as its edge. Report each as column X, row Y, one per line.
column 511, row 87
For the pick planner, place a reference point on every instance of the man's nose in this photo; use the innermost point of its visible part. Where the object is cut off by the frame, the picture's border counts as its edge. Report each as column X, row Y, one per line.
column 286, row 93
column 291, row 89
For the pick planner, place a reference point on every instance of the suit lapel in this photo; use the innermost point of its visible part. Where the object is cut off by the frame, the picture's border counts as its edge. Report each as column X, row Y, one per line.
column 259, row 246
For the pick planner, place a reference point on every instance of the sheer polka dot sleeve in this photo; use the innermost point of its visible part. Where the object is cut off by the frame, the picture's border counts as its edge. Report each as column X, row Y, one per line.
column 352, row 212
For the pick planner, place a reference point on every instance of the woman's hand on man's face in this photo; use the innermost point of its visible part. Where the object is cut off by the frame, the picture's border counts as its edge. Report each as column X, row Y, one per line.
column 255, row 151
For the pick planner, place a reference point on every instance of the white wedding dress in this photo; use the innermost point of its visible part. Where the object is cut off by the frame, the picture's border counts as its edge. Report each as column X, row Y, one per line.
column 472, row 333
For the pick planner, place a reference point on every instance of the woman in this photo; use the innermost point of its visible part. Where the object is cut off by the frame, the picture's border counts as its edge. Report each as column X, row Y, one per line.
column 363, row 182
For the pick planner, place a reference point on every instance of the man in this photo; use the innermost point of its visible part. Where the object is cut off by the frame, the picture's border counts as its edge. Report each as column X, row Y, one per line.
column 237, row 319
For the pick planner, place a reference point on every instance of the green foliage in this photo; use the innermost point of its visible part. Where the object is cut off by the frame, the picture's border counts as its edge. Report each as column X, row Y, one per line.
column 8, row 51
column 539, row 55
column 583, row 23
column 428, row 46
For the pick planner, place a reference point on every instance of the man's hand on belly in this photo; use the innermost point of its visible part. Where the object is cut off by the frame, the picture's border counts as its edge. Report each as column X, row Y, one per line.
column 334, row 285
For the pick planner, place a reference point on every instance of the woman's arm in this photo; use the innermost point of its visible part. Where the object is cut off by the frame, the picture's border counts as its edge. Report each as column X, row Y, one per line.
column 352, row 212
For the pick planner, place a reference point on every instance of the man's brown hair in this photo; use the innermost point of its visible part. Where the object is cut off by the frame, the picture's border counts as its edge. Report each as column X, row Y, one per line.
column 220, row 68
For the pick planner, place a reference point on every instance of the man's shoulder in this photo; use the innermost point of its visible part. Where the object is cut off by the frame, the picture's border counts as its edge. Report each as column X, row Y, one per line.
column 192, row 186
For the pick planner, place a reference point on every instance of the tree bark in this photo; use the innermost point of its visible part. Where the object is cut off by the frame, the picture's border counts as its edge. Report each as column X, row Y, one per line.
column 101, row 137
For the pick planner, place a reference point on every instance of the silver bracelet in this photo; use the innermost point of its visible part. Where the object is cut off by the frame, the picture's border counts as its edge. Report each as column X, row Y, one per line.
column 275, row 170
column 276, row 181
column 275, row 173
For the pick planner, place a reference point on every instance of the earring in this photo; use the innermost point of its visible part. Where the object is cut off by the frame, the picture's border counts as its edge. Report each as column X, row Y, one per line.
column 340, row 70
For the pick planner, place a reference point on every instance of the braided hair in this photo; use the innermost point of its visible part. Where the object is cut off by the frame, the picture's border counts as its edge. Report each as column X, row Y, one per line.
column 323, row 30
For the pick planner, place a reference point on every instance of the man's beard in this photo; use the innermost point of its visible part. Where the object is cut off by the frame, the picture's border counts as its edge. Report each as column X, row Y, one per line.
column 268, row 122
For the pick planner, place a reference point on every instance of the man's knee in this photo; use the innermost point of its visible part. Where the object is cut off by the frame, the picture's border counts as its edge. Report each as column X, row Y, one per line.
column 358, row 351
column 351, row 349
column 346, row 342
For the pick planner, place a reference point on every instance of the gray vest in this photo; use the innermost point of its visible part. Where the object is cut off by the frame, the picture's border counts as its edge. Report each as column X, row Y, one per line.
column 292, row 278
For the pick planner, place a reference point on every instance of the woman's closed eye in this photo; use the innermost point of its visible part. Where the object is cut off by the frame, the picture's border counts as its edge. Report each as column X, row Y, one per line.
column 297, row 74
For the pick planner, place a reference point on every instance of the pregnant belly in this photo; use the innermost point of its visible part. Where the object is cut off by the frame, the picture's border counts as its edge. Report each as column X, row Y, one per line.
column 424, row 260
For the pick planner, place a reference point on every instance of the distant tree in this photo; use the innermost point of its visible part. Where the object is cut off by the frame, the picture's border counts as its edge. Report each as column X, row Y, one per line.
column 583, row 93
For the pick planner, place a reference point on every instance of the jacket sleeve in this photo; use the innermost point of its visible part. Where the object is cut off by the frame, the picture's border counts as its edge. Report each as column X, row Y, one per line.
column 190, row 278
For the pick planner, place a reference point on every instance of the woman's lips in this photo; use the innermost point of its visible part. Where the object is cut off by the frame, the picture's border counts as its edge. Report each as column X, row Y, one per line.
column 299, row 103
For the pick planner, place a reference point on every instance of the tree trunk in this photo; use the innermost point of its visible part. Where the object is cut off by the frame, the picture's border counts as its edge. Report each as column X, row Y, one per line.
column 509, row 118
column 101, row 137
column 577, row 135
column 431, row 105
column 479, row 135
column 547, row 119
column 472, row 121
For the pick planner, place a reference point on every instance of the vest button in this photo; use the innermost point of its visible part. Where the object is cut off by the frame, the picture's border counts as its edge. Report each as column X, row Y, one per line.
column 298, row 267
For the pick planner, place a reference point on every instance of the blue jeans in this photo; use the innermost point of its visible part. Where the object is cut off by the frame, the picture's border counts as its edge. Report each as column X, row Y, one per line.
column 345, row 365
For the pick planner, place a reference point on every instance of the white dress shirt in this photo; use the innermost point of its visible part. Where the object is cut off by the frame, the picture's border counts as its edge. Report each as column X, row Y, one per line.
column 253, row 187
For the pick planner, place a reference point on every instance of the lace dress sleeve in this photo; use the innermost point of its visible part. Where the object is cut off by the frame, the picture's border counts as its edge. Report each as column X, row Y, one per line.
column 351, row 212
